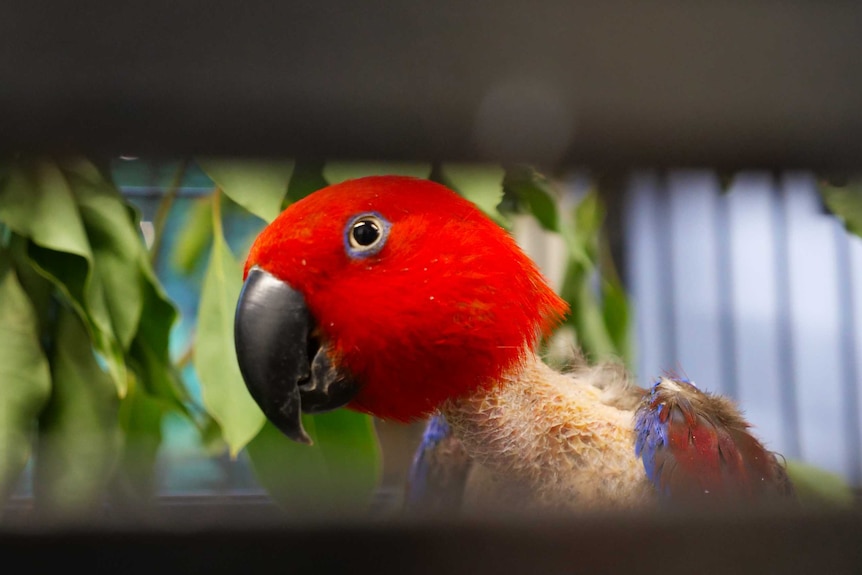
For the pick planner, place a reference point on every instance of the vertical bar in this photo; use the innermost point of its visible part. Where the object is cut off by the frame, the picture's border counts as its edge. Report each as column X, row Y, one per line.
column 726, row 316
column 664, row 270
column 850, row 401
column 787, row 375
column 755, row 322
column 695, row 282
column 642, row 244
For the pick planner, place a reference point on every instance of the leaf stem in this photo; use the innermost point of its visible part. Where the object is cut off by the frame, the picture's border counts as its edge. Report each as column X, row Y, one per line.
column 218, row 231
column 187, row 356
column 163, row 210
column 607, row 265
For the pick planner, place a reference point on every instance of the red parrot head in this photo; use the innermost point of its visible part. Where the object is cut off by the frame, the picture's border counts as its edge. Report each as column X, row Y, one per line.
column 387, row 294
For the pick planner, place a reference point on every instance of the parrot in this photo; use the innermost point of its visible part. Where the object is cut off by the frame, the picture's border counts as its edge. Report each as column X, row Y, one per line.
column 397, row 297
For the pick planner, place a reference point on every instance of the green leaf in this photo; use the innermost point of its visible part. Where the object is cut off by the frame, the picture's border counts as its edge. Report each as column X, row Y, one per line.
column 87, row 298
column 536, row 194
column 25, row 376
column 35, row 200
column 141, row 417
column 289, row 471
column 149, row 354
column 617, row 319
column 224, row 392
column 140, row 310
column 600, row 321
column 348, row 441
column 589, row 316
column 339, row 472
column 40, row 290
column 586, row 316
column 117, row 250
column 482, row 184
column 194, row 237
column 337, row 172
column 589, row 217
column 79, row 434
column 39, row 202
column 846, row 203
column 258, row 186
column 307, row 178
column 818, row 488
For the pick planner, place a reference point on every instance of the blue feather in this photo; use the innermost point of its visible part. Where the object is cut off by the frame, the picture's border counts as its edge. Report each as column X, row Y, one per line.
column 650, row 434
column 435, row 432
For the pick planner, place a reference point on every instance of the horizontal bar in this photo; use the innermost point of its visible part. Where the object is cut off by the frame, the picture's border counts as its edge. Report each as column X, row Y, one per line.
column 605, row 84
column 226, row 540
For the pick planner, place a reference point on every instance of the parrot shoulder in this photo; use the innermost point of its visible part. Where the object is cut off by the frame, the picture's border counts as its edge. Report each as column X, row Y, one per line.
column 554, row 436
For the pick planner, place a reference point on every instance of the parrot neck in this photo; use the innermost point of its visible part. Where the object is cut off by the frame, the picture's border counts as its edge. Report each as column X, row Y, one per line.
column 555, row 435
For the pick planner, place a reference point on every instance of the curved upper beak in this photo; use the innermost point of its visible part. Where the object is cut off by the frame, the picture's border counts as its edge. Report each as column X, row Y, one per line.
column 283, row 365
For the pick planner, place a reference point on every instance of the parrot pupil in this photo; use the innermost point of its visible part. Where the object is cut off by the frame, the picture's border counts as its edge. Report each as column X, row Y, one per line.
column 365, row 233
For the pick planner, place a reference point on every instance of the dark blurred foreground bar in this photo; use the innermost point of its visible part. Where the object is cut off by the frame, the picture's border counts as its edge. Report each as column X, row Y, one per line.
column 602, row 83
column 250, row 540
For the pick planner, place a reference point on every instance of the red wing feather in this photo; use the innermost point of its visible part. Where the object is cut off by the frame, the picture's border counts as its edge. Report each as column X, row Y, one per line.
column 696, row 448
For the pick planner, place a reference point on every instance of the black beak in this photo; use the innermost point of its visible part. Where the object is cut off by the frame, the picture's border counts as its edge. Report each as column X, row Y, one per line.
column 283, row 365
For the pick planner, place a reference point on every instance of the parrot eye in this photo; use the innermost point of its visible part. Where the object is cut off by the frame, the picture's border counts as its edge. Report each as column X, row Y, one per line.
column 366, row 234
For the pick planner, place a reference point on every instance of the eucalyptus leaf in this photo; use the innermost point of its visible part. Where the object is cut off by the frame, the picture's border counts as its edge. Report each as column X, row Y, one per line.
column 140, row 417
column 589, row 316
column 579, row 230
column 482, row 184
column 117, row 252
column 337, row 172
column 25, row 377
column 349, row 444
column 149, row 353
column 600, row 320
column 289, row 471
column 589, row 216
column 224, row 392
column 586, row 317
column 307, row 178
column 39, row 203
column 138, row 307
column 258, row 186
column 339, row 472
column 846, row 203
column 194, row 237
column 536, row 194
column 39, row 289
column 617, row 319
column 79, row 434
